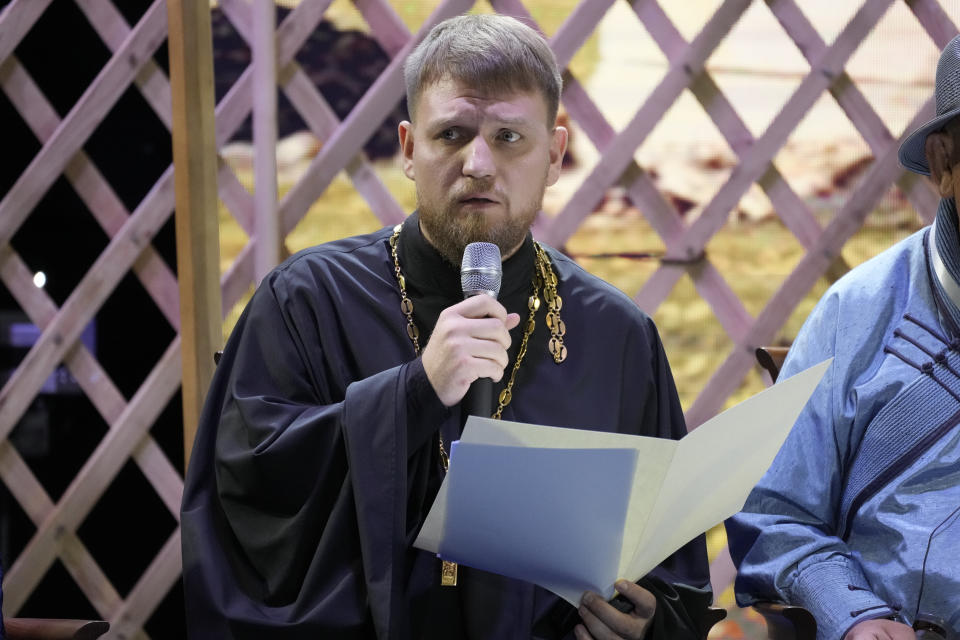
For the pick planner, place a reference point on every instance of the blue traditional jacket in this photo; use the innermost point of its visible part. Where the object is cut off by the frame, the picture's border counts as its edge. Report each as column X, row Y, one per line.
column 857, row 518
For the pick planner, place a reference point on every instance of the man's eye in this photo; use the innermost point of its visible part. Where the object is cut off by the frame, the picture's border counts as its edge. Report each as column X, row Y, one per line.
column 450, row 134
column 510, row 136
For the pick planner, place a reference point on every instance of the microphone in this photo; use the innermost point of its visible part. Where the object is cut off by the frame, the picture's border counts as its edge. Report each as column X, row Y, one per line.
column 481, row 272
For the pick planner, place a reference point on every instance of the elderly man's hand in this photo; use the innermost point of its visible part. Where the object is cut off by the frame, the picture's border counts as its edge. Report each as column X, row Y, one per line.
column 601, row 621
column 880, row 630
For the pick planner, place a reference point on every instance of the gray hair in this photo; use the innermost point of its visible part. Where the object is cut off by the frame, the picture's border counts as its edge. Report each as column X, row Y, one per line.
column 495, row 52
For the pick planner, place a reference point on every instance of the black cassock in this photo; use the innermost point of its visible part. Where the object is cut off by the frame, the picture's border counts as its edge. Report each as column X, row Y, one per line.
column 316, row 458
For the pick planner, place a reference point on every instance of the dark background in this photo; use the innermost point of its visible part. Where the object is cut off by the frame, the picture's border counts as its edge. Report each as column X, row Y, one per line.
column 132, row 148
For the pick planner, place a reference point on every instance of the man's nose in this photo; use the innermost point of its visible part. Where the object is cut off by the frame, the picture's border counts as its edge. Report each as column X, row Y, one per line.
column 478, row 162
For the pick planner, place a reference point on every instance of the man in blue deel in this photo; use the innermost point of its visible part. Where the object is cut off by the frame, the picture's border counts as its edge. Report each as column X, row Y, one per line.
column 857, row 518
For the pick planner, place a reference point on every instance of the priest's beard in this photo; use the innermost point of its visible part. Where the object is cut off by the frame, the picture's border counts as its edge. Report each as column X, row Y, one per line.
column 450, row 231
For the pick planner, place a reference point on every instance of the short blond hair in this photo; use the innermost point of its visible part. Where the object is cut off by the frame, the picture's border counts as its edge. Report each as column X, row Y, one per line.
column 498, row 53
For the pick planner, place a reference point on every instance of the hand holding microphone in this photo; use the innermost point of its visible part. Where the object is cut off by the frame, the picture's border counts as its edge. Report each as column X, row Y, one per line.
column 471, row 338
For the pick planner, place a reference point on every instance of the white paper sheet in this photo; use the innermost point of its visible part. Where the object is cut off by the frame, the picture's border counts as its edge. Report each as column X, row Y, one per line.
column 541, row 503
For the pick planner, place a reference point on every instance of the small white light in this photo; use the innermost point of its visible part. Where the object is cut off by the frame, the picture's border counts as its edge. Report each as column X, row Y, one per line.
column 39, row 279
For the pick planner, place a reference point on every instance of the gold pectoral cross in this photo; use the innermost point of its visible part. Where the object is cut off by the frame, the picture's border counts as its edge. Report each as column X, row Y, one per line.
column 448, row 574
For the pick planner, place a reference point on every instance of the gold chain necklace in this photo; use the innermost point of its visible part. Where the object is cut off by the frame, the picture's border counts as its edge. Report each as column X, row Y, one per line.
column 543, row 278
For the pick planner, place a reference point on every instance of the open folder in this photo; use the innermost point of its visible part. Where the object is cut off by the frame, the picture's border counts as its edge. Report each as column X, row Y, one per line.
column 573, row 509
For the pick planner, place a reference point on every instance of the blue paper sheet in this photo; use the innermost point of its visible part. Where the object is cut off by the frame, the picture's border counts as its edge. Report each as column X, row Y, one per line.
column 503, row 514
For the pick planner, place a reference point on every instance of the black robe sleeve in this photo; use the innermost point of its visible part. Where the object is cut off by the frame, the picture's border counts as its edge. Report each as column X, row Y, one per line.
column 299, row 471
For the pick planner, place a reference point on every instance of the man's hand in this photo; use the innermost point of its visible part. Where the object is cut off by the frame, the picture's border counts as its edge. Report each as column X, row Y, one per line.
column 880, row 630
column 601, row 621
column 470, row 341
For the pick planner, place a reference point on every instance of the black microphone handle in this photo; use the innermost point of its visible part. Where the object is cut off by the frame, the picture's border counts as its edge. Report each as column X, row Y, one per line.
column 479, row 398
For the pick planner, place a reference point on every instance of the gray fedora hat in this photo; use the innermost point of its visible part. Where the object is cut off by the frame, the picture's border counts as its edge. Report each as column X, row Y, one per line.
column 912, row 154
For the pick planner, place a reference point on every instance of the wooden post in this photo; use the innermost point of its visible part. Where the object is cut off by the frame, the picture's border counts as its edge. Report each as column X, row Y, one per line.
column 266, row 221
column 195, row 179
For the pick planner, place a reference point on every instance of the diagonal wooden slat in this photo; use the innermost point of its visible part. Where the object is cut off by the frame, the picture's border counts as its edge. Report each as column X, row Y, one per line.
column 238, row 278
column 235, row 196
column 935, row 21
column 392, row 35
column 297, row 27
column 619, row 153
column 823, row 72
column 366, row 115
column 91, row 377
column 96, row 285
column 37, row 504
column 80, row 123
column 94, row 190
column 318, row 115
column 149, row 591
column 855, row 105
column 291, row 34
column 153, row 84
column 155, row 88
column 113, row 29
column 22, row 484
column 84, row 570
column 16, row 20
column 91, row 579
column 920, row 193
column 657, row 210
column 728, row 309
column 753, row 163
column 358, row 126
column 385, row 25
column 322, row 121
column 97, row 473
column 848, row 220
column 77, row 559
column 791, row 209
column 233, row 192
column 574, row 31
column 236, row 105
column 941, row 29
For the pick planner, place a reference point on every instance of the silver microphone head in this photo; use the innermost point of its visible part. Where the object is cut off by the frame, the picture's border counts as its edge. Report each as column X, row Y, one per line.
column 481, row 269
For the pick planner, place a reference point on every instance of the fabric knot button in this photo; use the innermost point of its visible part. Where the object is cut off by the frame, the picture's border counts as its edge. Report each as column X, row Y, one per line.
column 927, row 367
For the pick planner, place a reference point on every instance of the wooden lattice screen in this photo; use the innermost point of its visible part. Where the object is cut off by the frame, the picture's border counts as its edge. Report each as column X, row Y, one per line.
column 129, row 249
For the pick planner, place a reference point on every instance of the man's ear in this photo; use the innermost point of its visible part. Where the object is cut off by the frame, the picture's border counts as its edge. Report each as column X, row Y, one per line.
column 405, row 131
column 939, row 151
column 558, row 146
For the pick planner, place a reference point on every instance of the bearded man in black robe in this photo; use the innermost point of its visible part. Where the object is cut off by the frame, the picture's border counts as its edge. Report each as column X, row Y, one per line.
column 323, row 440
